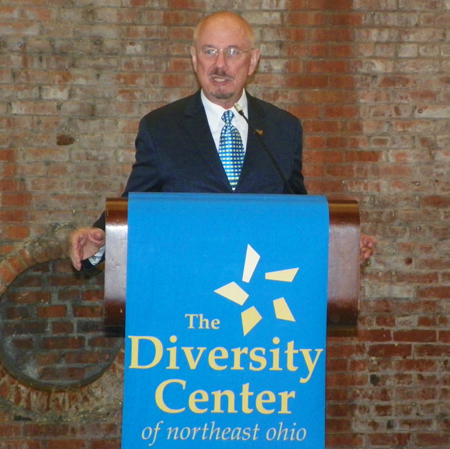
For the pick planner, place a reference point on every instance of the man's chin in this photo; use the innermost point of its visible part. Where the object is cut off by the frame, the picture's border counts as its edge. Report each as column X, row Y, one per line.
column 222, row 95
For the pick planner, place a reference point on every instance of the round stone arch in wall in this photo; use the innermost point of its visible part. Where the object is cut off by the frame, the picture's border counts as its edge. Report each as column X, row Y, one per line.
column 51, row 327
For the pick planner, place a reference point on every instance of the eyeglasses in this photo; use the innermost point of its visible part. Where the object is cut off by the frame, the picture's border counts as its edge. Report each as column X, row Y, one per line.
column 230, row 53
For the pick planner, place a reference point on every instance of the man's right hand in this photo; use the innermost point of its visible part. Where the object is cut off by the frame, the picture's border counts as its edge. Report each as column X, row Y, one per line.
column 85, row 243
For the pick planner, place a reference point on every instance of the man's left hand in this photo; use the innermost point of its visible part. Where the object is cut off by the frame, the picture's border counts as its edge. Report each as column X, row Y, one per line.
column 366, row 247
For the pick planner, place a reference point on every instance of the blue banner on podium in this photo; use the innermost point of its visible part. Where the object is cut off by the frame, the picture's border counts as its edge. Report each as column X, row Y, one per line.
column 225, row 321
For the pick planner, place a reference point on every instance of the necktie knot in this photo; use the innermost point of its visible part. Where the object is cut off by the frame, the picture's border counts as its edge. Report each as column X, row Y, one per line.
column 227, row 116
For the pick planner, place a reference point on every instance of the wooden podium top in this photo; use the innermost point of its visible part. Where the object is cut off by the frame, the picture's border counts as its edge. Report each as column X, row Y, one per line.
column 343, row 263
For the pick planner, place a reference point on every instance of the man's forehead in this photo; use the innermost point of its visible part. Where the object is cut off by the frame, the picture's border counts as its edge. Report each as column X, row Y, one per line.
column 222, row 40
column 224, row 27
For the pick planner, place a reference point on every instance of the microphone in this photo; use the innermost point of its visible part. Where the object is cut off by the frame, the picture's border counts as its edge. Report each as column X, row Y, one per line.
column 258, row 133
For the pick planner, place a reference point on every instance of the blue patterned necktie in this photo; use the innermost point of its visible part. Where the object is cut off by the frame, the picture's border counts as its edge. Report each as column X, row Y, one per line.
column 231, row 149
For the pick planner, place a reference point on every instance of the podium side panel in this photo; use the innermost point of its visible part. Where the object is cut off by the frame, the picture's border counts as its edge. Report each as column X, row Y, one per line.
column 115, row 262
column 343, row 264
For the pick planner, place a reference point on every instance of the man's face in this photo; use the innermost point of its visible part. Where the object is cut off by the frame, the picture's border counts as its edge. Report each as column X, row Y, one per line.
column 223, row 59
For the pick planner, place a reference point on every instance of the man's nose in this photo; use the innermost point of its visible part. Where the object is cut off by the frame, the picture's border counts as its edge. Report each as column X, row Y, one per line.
column 221, row 59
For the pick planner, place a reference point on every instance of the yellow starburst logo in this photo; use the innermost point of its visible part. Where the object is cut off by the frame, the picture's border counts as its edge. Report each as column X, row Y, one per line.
column 233, row 292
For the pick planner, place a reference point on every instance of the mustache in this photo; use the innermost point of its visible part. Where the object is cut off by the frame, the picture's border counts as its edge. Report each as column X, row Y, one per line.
column 221, row 73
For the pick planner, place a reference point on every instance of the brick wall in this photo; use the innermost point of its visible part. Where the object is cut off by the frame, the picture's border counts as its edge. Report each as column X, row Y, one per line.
column 52, row 327
column 368, row 78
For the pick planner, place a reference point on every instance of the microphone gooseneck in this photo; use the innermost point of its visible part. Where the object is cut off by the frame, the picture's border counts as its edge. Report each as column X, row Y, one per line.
column 258, row 133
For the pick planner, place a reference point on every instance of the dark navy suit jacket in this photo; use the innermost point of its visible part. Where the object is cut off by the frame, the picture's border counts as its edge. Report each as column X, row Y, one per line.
column 175, row 152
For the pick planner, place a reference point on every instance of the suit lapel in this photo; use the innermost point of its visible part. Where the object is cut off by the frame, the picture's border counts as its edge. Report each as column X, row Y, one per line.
column 257, row 118
column 196, row 126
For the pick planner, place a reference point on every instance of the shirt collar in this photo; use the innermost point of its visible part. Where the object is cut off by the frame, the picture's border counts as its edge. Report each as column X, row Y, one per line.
column 214, row 112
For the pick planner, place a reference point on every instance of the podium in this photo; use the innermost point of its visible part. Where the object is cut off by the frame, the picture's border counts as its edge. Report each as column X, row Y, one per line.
column 229, row 297
column 343, row 263
column 228, row 302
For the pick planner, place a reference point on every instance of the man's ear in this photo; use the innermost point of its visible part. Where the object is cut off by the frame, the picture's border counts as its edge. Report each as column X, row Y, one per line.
column 254, row 58
column 194, row 58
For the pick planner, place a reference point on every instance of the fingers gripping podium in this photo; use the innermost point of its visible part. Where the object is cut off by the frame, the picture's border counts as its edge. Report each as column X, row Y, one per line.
column 343, row 263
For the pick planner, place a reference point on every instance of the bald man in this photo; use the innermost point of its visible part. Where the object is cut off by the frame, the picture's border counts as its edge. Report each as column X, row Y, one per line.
column 178, row 146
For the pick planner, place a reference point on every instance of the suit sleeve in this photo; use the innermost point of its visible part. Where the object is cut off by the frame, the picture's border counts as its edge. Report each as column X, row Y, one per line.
column 296, row 180
column 145, row 174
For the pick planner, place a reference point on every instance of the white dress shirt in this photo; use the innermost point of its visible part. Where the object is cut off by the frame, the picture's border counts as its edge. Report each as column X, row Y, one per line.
column 214, row 114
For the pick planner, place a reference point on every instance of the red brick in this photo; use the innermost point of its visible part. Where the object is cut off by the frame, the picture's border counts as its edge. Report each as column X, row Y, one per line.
column 363, row 156
column 62, row 328
column 94, row 296
column 434, row 292
column 26, row 328
column 68, row 295
column 338, row 425
column 350, row 379
column 88, row 311
column 428, row 439
column 340, row 112
column 327, row 67
column 390, row 350
column 341, row 171
column 416, row 335
column 347, row 19
column 321, row 127
column 46, row 430
column 9, row 430
column 332, row 35
column 416, row 366
column 20, row 443
column 114, row 443
column 305, row 18
column 7, row 273
column 313, row 142
column 53, row 311
column 101, row 342
column 49, row 374
column 444, row 336
column 433, row 350
column 389, row 439
column 341, row 440
column 63, row 342
column 13, row 216
column 376, row 335
column 23, row 343
column 87, row 357
column 329, row 5
column 29, row 297
column 17, row 232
